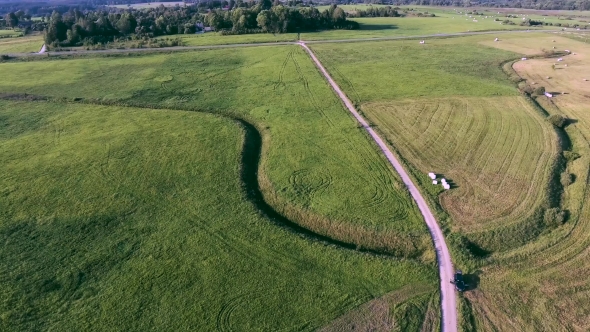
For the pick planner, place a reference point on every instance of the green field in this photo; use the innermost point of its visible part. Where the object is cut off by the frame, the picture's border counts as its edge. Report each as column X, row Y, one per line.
column 118, row 218
column 10, row 33
column 448, row 107
column 154, row 214
column 21, row 45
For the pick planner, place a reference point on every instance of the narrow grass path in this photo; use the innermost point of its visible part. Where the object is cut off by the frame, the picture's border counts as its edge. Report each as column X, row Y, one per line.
column 448, row 300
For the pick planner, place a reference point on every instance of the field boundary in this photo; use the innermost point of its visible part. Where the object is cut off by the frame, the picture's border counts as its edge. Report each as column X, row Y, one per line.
column 222, row 46
column 448, row 300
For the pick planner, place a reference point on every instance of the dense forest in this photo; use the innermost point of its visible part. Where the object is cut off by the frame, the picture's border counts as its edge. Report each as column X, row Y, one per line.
column 76, row 27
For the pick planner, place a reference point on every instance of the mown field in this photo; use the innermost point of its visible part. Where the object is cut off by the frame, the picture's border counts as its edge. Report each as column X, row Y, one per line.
column 21, row 44
column 433, row 102
column 541, row 286
column 170, row 218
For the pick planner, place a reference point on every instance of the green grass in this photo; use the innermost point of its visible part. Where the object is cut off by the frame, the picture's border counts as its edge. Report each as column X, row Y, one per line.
column 135, row 219
column 422, row 97
column 352, row 188
column 380, row 27
column 10, row 33
column 21, row 45
column 498, row 158
column 132, row 218
column 447, row 107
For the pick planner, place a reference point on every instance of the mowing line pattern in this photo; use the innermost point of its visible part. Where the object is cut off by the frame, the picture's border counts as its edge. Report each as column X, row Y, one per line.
column 496, row 158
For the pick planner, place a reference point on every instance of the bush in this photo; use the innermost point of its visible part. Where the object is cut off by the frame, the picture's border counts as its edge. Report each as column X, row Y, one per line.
column 557, row 120
column 570, row 156
column 554, row 217
column 567, row 179
column 540, row 91
column 4, row 57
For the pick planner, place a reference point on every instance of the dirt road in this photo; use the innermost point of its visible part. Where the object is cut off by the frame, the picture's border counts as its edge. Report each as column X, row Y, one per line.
column 208, row 47
column 448, row 300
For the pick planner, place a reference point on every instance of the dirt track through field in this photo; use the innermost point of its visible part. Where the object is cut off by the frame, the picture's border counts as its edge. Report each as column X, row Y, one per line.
column 221, row 46
column 448, row 300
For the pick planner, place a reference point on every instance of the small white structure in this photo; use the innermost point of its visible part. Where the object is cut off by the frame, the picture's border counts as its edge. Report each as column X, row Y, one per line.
column 548, row 95
column 573, row 53
column 434, row 182
column 422, row 42
column 560, row 59
column 565, row 65
column 567, row 51
column 523, row 59
column 432, row 176
column 496, row 39
column 446, row 186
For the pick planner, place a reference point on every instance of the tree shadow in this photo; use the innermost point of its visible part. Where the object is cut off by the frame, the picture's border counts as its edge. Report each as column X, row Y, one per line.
column 375, row 27
column 472, row 280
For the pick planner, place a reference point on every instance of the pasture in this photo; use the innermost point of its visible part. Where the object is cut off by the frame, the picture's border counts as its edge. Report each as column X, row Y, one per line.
column 143, row 177
column 526, row 277
column 540, row 286
column 135, row 219
column 463, row 119
column 445, row 22
column 21, row 45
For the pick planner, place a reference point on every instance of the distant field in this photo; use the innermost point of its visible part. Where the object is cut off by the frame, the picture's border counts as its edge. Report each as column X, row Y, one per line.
column 150, row 5
column 21, row 45
column 137, row 218
column 10, row 33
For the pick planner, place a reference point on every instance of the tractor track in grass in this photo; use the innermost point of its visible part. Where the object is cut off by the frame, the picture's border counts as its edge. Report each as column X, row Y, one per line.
column 448, row 300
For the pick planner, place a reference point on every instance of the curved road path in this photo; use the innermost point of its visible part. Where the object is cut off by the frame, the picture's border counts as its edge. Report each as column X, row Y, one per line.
column 448, row 300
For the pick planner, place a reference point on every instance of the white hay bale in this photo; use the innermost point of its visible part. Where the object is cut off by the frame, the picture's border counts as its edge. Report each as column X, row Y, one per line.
column 567, row 51
column 496, row 39
column 565, row 65
column 523, row 59
column 434, row 182
column 548, row 95
column 446, row 186
column 432, row 175
column 560, row 59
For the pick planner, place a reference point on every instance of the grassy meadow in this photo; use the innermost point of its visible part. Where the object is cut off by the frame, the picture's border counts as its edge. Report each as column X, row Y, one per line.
column 21, row 45
column 185, row 191
column 116, row 218
column 434, row 103
column 540, row 286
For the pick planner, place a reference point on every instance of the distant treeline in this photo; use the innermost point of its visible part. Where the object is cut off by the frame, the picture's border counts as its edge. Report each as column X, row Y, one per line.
column 529, row 4
column 76, row 28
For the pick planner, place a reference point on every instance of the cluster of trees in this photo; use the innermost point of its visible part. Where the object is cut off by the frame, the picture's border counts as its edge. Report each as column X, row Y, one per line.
column 376, row 12
column 76, row 27
column 92, row 27
column 266, row 17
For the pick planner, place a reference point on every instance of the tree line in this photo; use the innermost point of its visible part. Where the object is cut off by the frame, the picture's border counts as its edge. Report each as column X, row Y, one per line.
column 76, row 28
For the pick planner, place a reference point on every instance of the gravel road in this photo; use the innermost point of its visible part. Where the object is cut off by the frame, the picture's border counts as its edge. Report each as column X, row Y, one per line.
column 448, row 300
